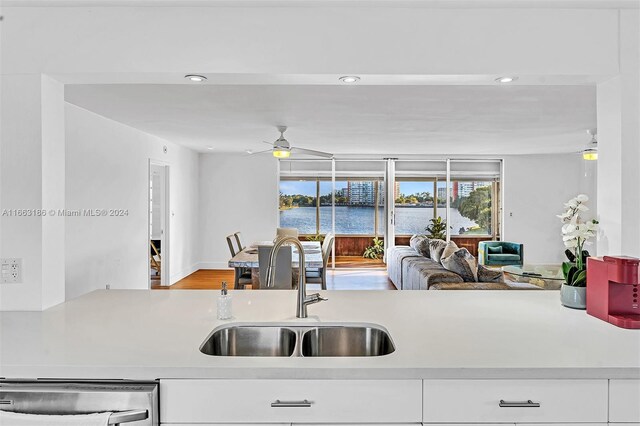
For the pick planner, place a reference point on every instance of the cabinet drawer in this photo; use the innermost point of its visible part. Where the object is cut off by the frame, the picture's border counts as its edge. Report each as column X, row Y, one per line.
column 473, row 401
column 331, row 401
column 624, row 401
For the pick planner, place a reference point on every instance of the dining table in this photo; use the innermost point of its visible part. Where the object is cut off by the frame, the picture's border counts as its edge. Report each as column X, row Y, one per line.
column 248, row 259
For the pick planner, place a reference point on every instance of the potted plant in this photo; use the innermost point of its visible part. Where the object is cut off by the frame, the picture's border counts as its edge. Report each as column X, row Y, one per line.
column 374, row 251
column 437, row 229
column 575, row 234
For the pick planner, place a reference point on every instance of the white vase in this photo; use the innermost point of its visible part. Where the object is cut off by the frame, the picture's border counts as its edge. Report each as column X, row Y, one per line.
column 573, row 297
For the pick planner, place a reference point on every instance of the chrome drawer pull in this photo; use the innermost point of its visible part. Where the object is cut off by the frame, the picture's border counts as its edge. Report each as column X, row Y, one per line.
column 519, row 404
column 6, row 402
column 291, row 404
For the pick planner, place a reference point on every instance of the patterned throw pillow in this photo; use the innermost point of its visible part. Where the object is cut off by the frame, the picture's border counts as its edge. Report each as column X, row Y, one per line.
column 436, row 247
column 420, row 243
column 462, row 263
column 449, row 249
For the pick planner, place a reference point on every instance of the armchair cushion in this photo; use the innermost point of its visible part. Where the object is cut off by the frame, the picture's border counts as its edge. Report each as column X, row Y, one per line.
column 505, row 257
column 494, row 250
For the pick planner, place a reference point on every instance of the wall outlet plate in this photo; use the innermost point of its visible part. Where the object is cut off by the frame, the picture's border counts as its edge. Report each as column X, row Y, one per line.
column 10, row 270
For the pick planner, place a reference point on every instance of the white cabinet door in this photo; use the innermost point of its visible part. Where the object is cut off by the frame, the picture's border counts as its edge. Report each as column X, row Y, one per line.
column 289, row 401
column 515, row 401
column 624, row 401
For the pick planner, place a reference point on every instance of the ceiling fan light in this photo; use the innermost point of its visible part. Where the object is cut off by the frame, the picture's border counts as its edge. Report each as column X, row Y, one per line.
column 281, row 153
column 590, row 154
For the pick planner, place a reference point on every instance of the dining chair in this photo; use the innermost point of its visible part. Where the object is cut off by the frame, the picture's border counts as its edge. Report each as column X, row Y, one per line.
column 242, row 276
column 286, row 232
column 238, row 236
column 283, row 279
column 319, row 275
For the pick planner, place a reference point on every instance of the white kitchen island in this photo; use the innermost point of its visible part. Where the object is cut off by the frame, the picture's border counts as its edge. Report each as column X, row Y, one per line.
column 453, row 349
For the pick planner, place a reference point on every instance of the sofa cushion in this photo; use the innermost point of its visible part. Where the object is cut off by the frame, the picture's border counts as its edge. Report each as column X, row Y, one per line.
column 487, row 275
column 436, row 247
column 421, row 273
column 494, row 249
column 420, row 243
column 462, row 263
column 469, row 286
column 504, row 257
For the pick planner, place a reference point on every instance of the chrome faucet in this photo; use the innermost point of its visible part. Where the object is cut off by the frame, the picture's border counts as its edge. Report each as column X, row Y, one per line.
column 303, row 299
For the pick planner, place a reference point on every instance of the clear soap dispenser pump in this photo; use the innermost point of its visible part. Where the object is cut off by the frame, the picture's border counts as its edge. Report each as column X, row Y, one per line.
column 224, row 303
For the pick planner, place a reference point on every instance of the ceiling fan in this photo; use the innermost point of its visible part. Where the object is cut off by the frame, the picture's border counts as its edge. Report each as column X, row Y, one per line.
column 281, row 148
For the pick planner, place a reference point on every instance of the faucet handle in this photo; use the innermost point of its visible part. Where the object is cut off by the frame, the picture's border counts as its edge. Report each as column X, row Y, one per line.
column 315, row 298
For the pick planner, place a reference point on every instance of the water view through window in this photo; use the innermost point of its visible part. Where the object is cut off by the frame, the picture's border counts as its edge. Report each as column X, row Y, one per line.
column 360, row 204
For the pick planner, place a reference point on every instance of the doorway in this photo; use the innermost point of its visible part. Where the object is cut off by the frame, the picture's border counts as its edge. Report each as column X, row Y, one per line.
column 158, row 239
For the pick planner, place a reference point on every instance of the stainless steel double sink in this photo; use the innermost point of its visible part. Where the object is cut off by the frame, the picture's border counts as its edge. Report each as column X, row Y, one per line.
column 306, row 340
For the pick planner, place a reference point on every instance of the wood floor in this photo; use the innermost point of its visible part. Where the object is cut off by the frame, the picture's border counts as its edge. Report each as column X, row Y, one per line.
column 338, row 279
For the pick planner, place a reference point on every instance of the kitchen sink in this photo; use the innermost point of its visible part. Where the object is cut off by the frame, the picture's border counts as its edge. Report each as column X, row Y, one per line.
column 346, row 341
column 250, row 341
column 298, row 340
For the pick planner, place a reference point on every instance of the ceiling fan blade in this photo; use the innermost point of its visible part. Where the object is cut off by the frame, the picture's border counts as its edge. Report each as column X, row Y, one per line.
column 312, row 152
column 258, row 152
column 268, row 143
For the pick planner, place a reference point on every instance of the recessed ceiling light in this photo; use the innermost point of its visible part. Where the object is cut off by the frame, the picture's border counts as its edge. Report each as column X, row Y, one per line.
column 195, row 77
column 249, row 151
column 210, row 148
column 349, row 79
column 506, row 79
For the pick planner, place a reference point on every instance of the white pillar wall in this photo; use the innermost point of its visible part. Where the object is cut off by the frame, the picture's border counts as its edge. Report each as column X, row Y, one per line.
column 32, row 178
column 619, row 147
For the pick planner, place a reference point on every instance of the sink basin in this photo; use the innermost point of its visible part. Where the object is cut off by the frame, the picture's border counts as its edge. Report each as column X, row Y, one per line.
column 243, row 340
column 344, row 341
column 306, row 340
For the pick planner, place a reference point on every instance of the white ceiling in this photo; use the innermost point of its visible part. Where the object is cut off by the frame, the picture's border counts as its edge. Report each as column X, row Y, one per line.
column 354, row 119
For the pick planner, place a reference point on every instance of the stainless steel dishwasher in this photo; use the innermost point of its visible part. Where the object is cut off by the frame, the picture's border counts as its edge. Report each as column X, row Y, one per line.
column 131, row 403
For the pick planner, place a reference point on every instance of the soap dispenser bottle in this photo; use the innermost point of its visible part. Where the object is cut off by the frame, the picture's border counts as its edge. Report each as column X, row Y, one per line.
column 224, row 303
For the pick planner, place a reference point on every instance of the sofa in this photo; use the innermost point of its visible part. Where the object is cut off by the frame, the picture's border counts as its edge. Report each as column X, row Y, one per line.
column 412, row 268
column 500, row 253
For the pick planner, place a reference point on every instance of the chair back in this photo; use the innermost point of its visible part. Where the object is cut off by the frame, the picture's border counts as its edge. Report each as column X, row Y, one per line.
column 238, row 236
column 232, row 243
column 327, row 245
column 283, row 278
column 286, row 232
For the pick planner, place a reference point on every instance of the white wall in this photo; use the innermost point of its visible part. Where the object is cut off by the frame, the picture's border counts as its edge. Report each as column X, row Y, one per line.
column 237, row 193
column 535, row 190
column 32, row 180
column 107, row 166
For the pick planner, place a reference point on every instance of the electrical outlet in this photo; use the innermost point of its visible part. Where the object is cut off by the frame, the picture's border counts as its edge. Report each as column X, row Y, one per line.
column 10, row 271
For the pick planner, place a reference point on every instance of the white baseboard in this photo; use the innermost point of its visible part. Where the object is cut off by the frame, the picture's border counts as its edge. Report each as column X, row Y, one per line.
column 213, row 265
column 184, row 273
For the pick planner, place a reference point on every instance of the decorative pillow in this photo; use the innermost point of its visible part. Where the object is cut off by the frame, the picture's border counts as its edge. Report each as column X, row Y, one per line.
column 487, row 275
column 462, row 263
column 449, row 249
column 494, row 250
column 420, row 243
column 436, row 247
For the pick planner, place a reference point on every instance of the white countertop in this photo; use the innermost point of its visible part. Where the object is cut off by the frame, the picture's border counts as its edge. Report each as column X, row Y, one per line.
column 138, row 334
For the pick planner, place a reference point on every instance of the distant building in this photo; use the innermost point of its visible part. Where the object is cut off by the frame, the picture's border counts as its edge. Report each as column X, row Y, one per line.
column 464, row 189
column 361, row 192
column 442, row 195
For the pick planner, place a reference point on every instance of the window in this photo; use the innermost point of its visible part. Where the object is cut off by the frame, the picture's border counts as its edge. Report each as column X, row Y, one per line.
column 355, row 206
column 472, row 211
column 298, row 205
column 414, row 205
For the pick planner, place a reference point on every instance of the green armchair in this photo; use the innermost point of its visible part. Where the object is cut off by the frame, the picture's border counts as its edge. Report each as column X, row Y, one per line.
column 500, row 253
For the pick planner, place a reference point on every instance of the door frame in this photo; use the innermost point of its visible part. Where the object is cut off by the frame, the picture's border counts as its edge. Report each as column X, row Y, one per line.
column 166, row 216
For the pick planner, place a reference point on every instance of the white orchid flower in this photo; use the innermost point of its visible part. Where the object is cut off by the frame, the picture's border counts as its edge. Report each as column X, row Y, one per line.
column 582, row 198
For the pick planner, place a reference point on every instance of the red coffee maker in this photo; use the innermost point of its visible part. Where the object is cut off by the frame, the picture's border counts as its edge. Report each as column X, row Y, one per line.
column 613, row 292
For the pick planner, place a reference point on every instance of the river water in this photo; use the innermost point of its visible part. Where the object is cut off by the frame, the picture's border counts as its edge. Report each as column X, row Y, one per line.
column 360, row 220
